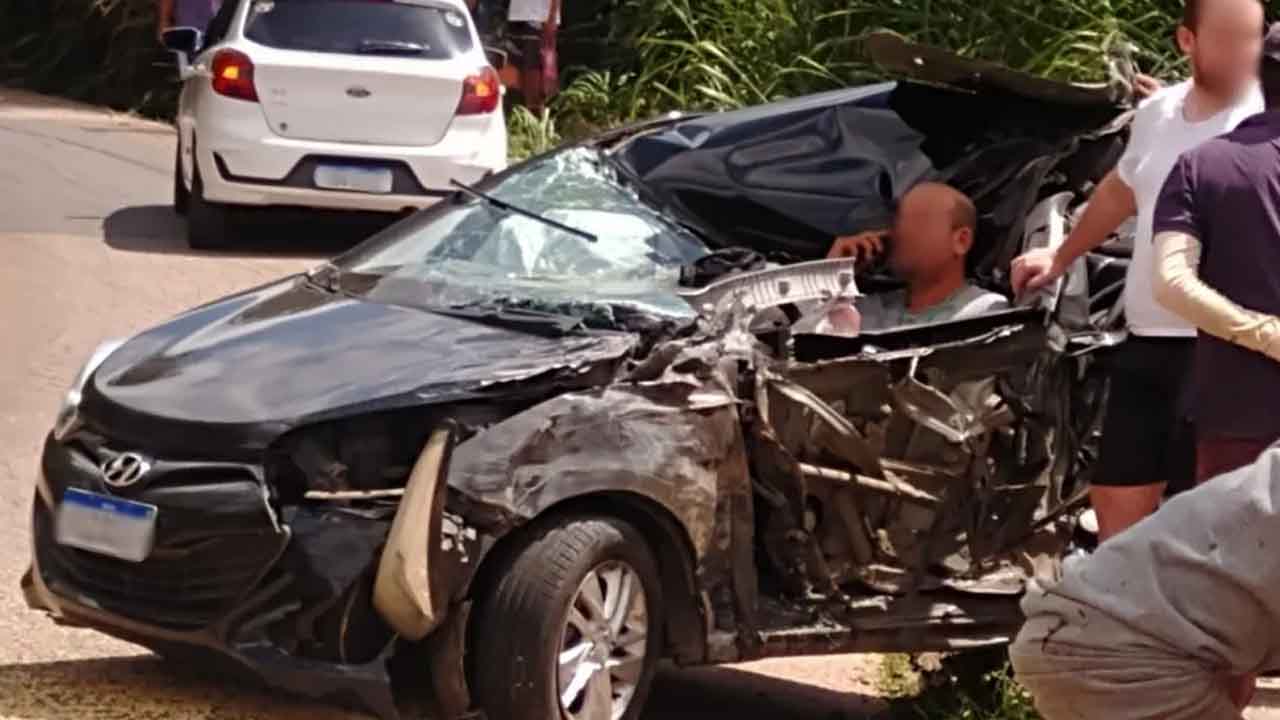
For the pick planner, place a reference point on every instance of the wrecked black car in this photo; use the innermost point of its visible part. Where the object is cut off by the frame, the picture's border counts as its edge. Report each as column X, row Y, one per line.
column 521, row 446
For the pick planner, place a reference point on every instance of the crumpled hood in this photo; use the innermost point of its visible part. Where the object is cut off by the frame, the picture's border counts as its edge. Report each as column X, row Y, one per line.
column 257, row 364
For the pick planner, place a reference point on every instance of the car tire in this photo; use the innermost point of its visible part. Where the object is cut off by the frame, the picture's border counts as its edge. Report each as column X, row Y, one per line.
column 544, row 625
column 208, row 224
column 181, row 196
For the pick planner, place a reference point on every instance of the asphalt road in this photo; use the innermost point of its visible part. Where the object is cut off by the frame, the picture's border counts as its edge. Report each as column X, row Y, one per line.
column 89, row 249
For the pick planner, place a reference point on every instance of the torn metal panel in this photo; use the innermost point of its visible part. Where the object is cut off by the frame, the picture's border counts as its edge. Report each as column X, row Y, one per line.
column 908, row 469
column 891, row 486
column 768, row 288
column 847, row 440
column 331, row 556
column 806, row 169
column 642, row 439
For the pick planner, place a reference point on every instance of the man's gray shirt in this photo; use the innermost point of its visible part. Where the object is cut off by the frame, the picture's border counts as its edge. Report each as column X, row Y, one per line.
column 885, row 311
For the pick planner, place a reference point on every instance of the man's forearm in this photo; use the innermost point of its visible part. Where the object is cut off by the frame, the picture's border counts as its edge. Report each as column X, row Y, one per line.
column 1112, row 203
column 1178, row 287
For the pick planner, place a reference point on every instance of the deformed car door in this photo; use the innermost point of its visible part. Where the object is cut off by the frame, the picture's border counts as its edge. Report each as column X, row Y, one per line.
column 912, row 459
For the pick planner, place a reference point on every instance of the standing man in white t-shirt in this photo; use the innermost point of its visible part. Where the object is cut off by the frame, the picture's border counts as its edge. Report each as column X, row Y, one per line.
column 1147, row 440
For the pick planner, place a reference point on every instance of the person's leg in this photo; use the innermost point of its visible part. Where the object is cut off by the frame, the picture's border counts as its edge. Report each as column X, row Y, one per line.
column 1135, row 433
column 531, row 68
column 1119, row 507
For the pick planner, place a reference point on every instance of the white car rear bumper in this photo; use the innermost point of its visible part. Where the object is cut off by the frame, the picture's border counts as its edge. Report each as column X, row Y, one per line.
column 243, row 162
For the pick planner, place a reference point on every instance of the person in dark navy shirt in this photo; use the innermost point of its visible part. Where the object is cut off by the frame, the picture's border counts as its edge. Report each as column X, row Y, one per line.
column 1217, row 236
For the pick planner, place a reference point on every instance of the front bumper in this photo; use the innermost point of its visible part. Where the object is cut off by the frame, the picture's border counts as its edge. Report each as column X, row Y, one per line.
column 227, row 580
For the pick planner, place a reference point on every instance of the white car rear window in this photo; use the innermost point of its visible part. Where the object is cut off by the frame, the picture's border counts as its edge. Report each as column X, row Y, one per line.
column 403, row 28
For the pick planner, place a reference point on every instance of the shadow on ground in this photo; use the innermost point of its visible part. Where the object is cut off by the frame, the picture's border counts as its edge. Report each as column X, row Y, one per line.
column 157, row 229
column 723, row 693
column 141, row 687
column 147, row 687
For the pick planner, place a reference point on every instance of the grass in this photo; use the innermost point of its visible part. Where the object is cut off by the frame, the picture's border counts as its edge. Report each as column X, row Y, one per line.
column 640, row 58
column 968, row 686
column 723, row 54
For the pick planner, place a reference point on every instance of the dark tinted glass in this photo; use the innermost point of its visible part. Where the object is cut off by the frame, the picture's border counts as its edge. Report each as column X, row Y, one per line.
column 376, row 27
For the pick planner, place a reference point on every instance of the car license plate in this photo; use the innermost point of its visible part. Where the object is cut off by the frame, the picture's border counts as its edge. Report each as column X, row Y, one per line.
column 106, row 525
column 353, row 177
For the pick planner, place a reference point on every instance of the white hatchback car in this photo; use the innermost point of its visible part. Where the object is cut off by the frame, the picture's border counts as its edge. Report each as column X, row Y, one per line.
column 342, row 104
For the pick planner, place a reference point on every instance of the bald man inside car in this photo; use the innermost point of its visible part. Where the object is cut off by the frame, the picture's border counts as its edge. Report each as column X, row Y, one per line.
column 933, row 231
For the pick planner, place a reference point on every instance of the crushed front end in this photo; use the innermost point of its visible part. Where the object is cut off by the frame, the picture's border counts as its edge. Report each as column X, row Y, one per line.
column 308, row 580
column 228, row 576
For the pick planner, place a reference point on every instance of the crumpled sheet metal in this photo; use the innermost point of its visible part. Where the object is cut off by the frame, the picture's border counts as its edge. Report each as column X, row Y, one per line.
column 667, row 441
column 786, row 158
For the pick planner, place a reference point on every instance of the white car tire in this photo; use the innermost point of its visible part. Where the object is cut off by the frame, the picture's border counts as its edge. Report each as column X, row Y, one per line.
column 181, row 196
column 208, row 224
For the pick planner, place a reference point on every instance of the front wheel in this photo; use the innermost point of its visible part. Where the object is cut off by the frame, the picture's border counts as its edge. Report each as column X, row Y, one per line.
column 573, row 628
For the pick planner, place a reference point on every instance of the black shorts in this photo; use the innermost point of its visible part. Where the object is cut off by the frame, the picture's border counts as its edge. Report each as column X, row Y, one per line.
column 1147, row 436
column 527, row 38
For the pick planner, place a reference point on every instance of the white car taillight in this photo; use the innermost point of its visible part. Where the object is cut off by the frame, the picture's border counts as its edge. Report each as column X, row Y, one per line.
column 233, row 75
column 481, row 93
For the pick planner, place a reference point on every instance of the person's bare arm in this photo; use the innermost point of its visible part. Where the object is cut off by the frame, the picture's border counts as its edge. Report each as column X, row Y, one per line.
column 553, row 17
column 1112, row 203
column 1178, row 287
column 1144, row 86
column 164, row 17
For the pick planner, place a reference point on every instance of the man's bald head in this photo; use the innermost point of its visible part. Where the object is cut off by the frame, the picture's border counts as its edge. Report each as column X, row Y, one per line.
column 934, row 230
column 940, row 195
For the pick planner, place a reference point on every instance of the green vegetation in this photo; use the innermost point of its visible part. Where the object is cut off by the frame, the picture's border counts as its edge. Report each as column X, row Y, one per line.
column 664, row 55
column 99, row 51
column 968, row 686
column 632, row 59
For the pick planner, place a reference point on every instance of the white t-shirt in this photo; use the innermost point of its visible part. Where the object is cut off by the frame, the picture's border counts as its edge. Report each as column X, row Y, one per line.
column 530, row 11
column 1158, row 135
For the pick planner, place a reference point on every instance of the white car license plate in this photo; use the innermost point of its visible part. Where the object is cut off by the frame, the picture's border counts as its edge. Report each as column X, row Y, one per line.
column 353, row 177
column 106, row 525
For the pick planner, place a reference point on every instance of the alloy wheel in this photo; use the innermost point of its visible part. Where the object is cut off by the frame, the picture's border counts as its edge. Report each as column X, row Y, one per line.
column 603, row 646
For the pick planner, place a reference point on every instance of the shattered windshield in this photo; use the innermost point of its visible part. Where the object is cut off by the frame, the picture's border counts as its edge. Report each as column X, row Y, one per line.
column 470, row 252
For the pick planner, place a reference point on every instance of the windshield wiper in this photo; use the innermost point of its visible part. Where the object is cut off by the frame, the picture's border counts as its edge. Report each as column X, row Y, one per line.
column 391, row 47
column 537, row 322
column 504, row 205
column 326, row 278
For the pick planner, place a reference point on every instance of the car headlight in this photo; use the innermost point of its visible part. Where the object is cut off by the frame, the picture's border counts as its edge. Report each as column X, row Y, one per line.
column 69, row 412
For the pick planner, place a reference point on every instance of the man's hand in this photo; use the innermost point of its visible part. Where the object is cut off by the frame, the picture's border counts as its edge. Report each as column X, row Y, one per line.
column 1034, row 270
column 1144, row 86
column 863, row 247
